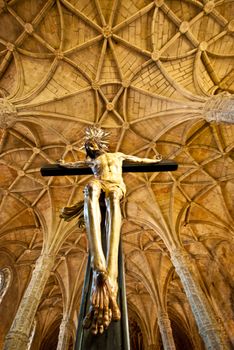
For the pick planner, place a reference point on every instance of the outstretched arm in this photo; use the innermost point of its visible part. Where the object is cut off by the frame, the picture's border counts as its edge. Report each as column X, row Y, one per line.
column 135, row 159
column 79, row 164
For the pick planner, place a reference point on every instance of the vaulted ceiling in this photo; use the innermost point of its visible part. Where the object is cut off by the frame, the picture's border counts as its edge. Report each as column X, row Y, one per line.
column 146, row 71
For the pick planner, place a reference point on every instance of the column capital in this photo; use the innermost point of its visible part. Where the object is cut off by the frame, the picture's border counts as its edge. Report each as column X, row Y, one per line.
column 66, row 322
column 43, row 260
column 8, row 113
column 180, row 254
column 164, row 320
column 220, row 108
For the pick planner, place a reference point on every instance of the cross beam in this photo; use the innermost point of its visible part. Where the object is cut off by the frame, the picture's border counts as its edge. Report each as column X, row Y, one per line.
column 57, row 170
column 117, row 335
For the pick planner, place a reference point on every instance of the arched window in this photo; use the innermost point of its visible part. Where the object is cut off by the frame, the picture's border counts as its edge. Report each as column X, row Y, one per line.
column 5, row 278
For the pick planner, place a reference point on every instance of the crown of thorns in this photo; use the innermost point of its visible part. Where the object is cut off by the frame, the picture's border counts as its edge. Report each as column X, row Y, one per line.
column 98, row 135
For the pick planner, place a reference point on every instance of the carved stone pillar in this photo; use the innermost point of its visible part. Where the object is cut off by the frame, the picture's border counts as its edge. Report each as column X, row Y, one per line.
column 164, row 324
column 64, row 334
column 18, row 336
column 8, row 114
column 220, row 108
column 203, row 314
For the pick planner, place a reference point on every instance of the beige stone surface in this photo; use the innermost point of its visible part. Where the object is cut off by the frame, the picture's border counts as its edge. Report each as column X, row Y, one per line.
column 158, row 75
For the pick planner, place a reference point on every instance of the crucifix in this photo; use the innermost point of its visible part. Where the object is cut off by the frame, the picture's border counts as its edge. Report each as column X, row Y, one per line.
column 107, row 169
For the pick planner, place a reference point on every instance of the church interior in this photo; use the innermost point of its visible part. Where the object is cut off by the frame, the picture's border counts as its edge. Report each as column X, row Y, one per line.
column 159, row 76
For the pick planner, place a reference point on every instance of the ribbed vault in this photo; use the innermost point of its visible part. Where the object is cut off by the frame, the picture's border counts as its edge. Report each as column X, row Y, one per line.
column 146, row 71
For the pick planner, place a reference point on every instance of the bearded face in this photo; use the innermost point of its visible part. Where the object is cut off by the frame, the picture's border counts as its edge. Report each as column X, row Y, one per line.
column 92, row 149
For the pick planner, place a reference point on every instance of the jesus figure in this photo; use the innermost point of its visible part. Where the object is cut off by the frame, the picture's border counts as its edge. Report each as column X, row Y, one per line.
column 107, row 170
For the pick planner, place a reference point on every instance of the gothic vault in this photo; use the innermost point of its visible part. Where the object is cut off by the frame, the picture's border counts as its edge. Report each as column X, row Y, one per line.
column 159, row 75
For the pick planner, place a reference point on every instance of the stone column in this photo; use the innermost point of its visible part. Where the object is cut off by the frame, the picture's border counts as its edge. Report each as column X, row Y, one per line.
column 164, row 324
column 203, row 313
column 8, row 114
column 64, row 334
column 18, row 336
column 220, row 108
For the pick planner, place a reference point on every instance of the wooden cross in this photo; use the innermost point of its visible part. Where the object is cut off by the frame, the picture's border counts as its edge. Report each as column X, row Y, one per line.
column 117, row 335
column 128, row 167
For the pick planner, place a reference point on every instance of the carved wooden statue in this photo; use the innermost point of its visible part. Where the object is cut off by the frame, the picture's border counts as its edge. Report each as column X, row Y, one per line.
column 107, row 170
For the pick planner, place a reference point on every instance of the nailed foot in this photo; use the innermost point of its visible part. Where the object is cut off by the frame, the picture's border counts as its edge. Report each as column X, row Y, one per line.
column 104, row 307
